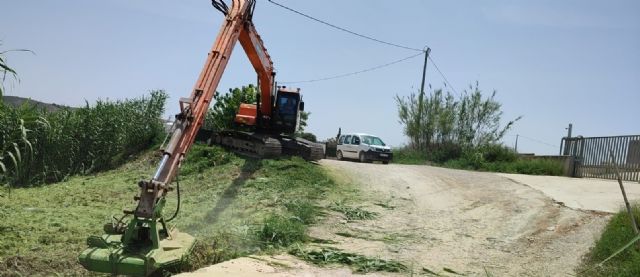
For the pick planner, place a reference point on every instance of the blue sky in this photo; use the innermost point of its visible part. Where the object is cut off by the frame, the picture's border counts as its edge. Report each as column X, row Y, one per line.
column 553, row 62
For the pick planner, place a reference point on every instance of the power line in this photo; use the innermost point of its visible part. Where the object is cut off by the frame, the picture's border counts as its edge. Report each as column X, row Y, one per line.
column 345, row 30
column 442, row 74
column 365, row 37
column 352, row 73
column 538, row 141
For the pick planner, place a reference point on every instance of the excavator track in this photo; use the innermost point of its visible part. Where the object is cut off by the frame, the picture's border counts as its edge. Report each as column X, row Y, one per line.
column 308, row 150
column 258, row 145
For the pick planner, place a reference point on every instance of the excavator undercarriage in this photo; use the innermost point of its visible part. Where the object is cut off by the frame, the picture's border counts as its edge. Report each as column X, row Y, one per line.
column 259, row 145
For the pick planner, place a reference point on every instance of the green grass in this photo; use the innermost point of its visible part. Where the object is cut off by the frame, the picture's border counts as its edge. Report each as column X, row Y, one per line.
column 405, row 155
column 235, row 208
column 520, row 166
column 278, row 230
column 359, row 263
column 617, row 233
column 303, row 210
column 493, row 158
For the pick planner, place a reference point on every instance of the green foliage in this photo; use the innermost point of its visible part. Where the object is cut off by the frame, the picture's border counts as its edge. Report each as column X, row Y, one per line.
column 617, row 233
column 6, row 70
column 304, row 116
column 353, row 213
column 303, row 210
column 202, row 157
column 48, row 147
column 360, row 263
column 490, row 157
column 278, row 230
column 308, row 136
column 221, row 116
column 218, row 248
column 529, row 166
column 224, row 207
column 407, row 155
column 441, row 119
column 498, row 153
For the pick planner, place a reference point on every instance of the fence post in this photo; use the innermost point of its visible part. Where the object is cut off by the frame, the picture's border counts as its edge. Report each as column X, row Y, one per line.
column 624, row 194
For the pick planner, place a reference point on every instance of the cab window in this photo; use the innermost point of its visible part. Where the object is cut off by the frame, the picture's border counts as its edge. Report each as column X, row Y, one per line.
column 287, row 105
column 355, row 140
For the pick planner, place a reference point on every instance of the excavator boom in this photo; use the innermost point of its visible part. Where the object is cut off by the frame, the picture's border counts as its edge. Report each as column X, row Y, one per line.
column 145, row 244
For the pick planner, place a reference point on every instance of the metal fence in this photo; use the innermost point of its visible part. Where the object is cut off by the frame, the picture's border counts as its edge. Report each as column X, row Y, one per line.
column 593, row 159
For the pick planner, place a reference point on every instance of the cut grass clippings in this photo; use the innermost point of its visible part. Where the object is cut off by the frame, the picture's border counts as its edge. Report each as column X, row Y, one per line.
column 359, row 263
column 353, row 213
column 234, row 207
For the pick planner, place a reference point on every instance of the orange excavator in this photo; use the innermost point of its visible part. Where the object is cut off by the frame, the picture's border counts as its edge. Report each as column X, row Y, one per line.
column 145, row 244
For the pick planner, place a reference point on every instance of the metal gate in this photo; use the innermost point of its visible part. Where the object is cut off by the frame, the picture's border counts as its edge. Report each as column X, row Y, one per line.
column 592, row 157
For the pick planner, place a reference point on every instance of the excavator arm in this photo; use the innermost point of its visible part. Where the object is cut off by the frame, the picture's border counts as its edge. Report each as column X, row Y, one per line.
column 145, row 244
column 261, row 61
column 237, row 27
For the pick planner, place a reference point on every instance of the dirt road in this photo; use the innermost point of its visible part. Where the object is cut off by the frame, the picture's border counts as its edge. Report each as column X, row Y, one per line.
column 443, row 221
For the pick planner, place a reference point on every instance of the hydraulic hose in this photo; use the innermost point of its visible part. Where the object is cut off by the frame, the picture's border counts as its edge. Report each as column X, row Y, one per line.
column 178, row 192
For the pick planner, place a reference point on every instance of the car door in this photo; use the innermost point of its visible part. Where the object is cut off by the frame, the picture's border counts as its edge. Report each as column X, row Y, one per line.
column 345, row 146
column 354, row 149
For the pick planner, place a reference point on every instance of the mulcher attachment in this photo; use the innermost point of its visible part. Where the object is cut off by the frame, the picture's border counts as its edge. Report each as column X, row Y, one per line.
column 144, row 245
column 141, row 251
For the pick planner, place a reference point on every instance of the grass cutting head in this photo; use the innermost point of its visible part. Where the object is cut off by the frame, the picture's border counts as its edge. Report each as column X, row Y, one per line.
column 144, row 245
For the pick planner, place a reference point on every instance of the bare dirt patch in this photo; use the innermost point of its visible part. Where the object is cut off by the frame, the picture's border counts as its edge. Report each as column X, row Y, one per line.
column 449, row 222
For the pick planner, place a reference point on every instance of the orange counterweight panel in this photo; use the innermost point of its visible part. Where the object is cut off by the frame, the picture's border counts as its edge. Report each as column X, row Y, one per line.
column 247, row 114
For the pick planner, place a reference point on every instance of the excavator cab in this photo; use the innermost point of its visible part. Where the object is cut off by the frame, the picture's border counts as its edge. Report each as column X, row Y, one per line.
column 286, row 113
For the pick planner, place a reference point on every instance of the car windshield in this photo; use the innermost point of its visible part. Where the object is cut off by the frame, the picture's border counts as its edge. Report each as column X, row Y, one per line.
column 371, row 140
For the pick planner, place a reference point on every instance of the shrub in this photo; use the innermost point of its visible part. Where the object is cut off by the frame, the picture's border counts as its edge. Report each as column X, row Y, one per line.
column 440, row 153
column 70, row 141
column 468, row 120
column 494, row 157
column 307, row 136
column 498, row 153
column 406, row 155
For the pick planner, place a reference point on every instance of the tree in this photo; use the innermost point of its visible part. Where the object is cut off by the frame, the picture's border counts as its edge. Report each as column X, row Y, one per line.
column 221, row 116
column 469, row 121
column 304, row 116
column 223, row 112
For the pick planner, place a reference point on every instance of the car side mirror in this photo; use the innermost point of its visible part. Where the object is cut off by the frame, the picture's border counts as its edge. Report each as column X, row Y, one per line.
column 302, row 105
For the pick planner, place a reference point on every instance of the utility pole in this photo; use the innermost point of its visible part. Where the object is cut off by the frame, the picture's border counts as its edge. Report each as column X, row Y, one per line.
column 421, row 96
column 566, row 141
column 517, row 143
